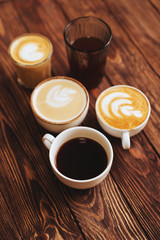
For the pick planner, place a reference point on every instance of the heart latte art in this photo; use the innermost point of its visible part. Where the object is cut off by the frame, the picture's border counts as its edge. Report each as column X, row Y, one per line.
column 59, row 100
column 30, row 52
column 123, row 107
column 30, row 49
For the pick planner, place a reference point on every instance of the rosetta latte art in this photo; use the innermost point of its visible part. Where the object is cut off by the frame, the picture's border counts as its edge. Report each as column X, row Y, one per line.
column 119, row 104
column 60, row 100
column 60, row 96
column 123, row 107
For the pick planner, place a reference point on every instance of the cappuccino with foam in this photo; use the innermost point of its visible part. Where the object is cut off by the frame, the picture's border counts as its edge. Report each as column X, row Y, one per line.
column 60, row 102
column 31, row 55
column 123, row 107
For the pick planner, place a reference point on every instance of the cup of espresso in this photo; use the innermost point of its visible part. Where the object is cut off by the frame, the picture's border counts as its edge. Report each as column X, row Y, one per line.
column 31, row 56
column 87, row 40
column 81, row 157
column 59, row 103
column 122, row 111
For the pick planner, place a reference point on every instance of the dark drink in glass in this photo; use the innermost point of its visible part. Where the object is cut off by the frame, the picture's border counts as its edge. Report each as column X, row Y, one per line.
column 87, row 40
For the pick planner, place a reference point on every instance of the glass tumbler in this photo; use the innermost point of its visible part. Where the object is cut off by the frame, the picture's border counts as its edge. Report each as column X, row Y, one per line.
column 87, row 40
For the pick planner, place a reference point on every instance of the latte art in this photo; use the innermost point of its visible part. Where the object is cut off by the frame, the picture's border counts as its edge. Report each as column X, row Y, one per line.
column 31, row 55
column 30, row 49
column 60, row 96
column 30, row 52
column 59, row 100
column 120, row 105
column 123, row 107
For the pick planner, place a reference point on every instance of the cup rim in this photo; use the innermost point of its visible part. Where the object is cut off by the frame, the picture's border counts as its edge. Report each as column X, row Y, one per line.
column 87, row 17
column 50, row 122
column 29, row 65
column 120, row 129
column 108, row 167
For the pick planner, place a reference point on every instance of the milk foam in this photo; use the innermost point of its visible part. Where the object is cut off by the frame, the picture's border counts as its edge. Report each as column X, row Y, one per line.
column 118, row 104
column 30, row 52
column 59, row 100
column 60, row 96
column 30, row 49
column 123, row 107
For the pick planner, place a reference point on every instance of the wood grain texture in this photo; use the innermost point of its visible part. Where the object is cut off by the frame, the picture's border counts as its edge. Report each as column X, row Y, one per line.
column 28, row 181
column 155, row 4
column 103, row 208
column 34, row 205
column 8, row 228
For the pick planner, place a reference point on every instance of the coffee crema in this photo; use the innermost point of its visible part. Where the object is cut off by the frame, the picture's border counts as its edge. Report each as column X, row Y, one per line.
column 59, row 100
column 30, row 49
column 123, row 107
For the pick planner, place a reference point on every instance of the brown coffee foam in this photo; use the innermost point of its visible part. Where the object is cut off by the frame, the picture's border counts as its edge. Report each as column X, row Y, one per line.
column 139, row 103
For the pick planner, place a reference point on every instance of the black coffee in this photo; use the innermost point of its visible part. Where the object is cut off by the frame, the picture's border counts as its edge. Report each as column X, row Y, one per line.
column 88, row 66
column 88, row 44
column 81, row 159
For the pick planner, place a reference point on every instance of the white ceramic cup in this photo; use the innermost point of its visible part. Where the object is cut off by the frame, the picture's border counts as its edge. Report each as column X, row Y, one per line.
column 54, row 144
column 124, row 134
column 58, row 125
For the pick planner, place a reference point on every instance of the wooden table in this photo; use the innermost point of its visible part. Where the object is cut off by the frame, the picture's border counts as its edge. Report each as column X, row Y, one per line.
column 33, row 203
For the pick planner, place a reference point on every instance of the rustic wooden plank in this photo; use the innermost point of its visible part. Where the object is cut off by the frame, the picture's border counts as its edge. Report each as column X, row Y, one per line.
column 100, row 212
column 155, row 4
column 28, row 181
column 139, row 181
column 130, row 62
column 32, row 161
column 86, row 10
column 143, row 31
column 26, row 177
column 8, row 229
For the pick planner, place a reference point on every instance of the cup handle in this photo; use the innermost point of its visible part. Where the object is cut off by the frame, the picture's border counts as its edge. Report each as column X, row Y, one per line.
column 125, row 140
column 47, row 140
